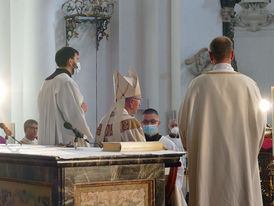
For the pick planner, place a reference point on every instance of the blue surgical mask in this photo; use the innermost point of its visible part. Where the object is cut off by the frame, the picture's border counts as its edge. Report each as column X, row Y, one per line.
column 150, row 129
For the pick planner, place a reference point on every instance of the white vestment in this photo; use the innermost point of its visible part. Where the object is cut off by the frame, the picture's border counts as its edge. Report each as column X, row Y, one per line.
column 222, row 126
column 177, row 196
column 177, row 142
column 25, row 140
column 130, row 130
column 60, row 100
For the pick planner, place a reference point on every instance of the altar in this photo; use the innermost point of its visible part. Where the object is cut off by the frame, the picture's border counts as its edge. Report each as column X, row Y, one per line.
column 48, row 175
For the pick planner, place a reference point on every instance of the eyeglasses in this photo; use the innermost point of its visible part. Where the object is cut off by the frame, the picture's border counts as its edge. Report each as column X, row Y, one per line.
column 136, row 98
column 34, row 128
column 152, row 121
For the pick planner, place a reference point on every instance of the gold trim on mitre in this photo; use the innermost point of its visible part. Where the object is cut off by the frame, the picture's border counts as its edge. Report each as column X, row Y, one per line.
column 126, row 86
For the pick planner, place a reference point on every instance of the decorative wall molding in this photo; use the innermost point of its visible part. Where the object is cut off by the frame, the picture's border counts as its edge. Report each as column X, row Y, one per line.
column 253, row 15
column 200, row 62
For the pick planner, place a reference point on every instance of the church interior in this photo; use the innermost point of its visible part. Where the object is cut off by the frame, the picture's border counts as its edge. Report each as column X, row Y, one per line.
column 165, row 41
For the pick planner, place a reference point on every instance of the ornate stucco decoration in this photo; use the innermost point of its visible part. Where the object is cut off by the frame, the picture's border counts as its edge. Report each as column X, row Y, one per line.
column 200, row 62
column 96, row 12
column 253, row 15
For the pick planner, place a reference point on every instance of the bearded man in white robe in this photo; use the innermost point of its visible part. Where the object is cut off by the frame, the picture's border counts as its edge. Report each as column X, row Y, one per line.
column 60, row 100
column 222, row 128
column 118, row 125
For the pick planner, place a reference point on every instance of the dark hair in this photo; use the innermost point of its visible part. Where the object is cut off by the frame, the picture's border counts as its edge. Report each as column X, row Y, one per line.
column 29, row 122
column 221, row 48
column 63, row 55
column 150, row 111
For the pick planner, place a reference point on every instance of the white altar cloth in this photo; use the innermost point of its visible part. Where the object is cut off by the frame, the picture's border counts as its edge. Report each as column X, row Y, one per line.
column 71, row 153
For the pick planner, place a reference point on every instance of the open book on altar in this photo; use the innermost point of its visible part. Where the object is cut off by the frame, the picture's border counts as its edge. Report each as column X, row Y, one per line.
column 132, row 146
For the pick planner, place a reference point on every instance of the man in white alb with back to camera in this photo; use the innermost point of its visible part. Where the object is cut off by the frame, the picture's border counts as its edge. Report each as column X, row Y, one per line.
column 222, row 129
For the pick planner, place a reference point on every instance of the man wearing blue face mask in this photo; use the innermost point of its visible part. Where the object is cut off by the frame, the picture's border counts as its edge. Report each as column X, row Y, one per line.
column 150, row 126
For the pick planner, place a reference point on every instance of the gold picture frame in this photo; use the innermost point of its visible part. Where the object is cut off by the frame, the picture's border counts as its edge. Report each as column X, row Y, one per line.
column 126, row 192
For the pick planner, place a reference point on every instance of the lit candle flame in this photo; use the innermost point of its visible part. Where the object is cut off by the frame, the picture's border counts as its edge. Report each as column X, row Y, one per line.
column 264, row 105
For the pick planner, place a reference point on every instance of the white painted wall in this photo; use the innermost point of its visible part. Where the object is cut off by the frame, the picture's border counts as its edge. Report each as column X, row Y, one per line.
column 5, row 107
column 254, row 54
column 36, row 30
column 147, row 47
column 28, row 46
column 201, row 22
column 108, row 61
column 164, row 63
column 144, row 43
column 140, row 36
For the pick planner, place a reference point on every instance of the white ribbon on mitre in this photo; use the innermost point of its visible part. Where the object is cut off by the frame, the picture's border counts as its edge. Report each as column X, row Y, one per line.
column 124, row 87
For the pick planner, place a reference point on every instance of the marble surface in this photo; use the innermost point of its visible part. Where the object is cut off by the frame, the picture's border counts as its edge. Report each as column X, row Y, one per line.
column 64, row 168
column 85, row 175
column 83, row 156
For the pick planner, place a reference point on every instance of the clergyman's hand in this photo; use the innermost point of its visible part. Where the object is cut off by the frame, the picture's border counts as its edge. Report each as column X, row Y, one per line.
column 7, row 131
column 84, row 107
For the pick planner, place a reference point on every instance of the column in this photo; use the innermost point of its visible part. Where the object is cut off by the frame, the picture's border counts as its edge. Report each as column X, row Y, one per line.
column 150, row 52
column 5, row 108
column 228, row 14
column 175, row 57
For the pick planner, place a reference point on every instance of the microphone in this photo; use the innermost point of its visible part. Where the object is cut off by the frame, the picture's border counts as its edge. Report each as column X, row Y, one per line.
column 77, row 133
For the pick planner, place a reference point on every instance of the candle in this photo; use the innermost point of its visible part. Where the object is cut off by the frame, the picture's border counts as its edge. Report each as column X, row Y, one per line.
column 272, row 95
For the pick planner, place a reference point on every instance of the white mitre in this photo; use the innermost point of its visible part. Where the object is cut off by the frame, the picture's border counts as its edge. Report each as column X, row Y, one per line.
column 124, row 87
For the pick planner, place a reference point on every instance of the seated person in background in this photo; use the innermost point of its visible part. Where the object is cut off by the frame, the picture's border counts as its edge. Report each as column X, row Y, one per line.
column 30, row 129
column 151, row 125
column 118, row 125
